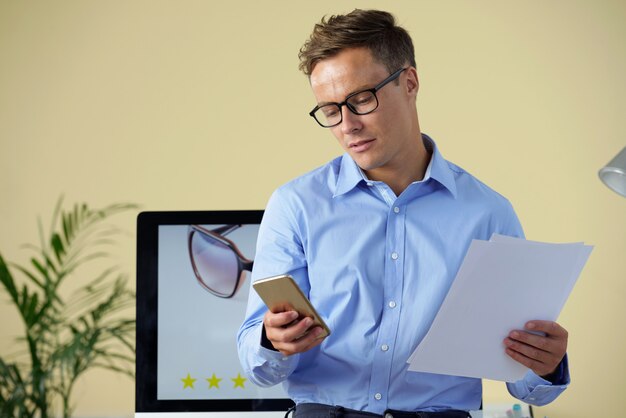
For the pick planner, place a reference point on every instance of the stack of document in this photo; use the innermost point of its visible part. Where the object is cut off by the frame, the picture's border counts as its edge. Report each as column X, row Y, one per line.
column 502, row 284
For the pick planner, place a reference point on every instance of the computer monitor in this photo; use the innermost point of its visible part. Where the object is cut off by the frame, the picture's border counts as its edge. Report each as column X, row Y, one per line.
column 193, row 281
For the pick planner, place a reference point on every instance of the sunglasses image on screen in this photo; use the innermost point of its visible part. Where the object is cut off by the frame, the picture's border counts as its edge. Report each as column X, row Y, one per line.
column 217, row 263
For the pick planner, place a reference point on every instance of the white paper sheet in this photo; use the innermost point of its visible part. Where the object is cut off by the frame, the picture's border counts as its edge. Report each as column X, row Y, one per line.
column 501, row 284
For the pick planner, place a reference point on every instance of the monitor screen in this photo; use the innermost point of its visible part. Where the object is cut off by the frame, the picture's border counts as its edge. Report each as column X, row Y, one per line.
column 193, row 279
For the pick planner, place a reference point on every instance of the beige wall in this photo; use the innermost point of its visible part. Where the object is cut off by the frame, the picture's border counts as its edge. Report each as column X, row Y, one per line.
column 199, row 105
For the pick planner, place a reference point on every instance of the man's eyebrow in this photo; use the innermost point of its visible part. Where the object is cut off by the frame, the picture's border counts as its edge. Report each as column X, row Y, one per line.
column 360, row 89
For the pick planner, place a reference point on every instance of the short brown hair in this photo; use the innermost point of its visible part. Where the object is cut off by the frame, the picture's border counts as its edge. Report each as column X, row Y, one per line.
column 376, row 30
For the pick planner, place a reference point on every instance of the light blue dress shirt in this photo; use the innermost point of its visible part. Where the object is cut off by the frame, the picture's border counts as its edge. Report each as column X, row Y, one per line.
column 377, row 267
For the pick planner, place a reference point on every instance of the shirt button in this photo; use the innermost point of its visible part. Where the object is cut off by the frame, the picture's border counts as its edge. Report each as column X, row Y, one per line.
column 394, row 256
column 378, row 396
column 384, row 347
column 388, row 415
column 396, row 210
column 369, row 183
column 392, row 304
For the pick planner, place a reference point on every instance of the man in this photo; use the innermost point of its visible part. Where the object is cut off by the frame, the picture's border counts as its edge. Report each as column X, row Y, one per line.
column 375, row 238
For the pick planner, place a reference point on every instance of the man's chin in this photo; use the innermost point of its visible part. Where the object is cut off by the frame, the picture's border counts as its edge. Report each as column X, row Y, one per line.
column 365, row 164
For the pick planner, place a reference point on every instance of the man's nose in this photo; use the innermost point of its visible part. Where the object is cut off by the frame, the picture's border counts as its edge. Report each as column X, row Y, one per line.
column 350, row 122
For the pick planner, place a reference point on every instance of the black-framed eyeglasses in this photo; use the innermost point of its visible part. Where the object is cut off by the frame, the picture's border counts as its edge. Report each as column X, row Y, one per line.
column 360, row 103
column 217, row 263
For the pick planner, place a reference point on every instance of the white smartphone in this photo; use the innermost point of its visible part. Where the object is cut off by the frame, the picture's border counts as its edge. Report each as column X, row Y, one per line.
column 281, row 293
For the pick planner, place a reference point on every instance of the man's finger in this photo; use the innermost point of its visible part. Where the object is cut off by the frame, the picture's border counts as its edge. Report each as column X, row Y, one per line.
column 302, row 344
column 538, row 367
column 550, row 328
column 279, row 319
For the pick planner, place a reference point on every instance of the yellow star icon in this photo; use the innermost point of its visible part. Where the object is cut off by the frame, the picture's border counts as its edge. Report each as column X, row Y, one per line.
column 214, row 382
column 188, row 381
column 239, row 381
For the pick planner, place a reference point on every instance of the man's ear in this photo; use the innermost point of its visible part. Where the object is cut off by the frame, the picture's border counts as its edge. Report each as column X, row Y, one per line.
column 412, row 81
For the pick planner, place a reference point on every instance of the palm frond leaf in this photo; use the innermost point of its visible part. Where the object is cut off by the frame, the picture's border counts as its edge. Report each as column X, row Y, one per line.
column 65, row 338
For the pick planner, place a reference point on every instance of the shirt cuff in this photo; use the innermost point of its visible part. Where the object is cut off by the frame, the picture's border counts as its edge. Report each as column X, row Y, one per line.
column 275, row 359
column 535, row 390
column 265, row 367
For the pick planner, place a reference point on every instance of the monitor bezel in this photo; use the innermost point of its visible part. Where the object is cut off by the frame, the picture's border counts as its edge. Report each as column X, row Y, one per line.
column 147, row 315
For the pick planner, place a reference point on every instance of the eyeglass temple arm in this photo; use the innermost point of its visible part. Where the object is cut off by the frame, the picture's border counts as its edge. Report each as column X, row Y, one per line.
column 226, row 229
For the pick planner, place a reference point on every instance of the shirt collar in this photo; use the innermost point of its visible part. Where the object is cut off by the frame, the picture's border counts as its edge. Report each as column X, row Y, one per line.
column 350, row 175
column 438, row 168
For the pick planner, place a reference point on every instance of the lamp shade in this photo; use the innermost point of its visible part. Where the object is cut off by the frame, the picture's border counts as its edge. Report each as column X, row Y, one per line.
column 614, row 173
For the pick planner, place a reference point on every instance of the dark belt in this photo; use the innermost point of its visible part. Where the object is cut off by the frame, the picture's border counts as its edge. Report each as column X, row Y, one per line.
column 317, row 410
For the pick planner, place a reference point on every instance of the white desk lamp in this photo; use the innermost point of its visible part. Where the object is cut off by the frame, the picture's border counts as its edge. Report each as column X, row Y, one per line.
column 614, row 173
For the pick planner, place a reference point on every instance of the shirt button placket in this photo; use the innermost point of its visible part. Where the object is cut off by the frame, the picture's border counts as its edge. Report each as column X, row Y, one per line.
column 379, row 384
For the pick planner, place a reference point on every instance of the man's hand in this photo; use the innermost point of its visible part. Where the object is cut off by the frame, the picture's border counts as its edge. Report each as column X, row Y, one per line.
column 289, row 335
column 542, row 354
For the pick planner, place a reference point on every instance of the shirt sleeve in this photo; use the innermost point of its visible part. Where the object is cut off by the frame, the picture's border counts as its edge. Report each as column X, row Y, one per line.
column 535, row 390
column 506, row 222
column 279, row 251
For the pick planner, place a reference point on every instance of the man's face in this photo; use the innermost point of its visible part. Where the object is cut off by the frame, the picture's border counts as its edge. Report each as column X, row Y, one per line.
column 384, row 140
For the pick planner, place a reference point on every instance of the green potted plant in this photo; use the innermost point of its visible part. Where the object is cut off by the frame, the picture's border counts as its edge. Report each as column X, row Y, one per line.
column 66, row 335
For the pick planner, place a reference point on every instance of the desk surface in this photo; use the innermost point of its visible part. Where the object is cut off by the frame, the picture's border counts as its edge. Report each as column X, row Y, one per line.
column 500, row 411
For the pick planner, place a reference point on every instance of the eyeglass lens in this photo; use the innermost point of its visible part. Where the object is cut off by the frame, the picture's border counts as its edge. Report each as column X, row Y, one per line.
column 361, row 104
column 216, row 264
